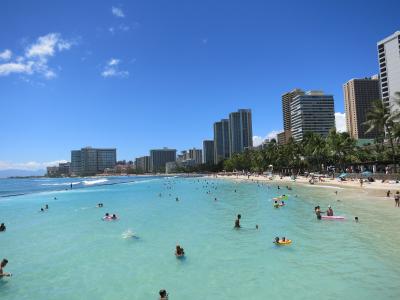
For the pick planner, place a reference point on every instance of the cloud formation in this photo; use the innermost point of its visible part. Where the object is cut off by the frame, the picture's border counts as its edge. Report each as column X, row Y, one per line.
column 6, row 55
column 258, row 140
column 116, row 11
column 340, row 122
column 111, row 69
column 36, row 57
column 31, row 165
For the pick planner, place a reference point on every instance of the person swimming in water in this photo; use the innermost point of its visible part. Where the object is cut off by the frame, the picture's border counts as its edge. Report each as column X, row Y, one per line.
column 179, row 252
column 276, row 204
column 2, row 227
column 47, row 206
column 163, row 295
column 114, row 217
column 237, row 221
column 329, row 212
column 4, row 263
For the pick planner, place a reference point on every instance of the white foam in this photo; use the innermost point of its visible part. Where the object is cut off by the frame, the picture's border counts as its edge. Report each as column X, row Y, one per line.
column 91, row 182
column 62, row 183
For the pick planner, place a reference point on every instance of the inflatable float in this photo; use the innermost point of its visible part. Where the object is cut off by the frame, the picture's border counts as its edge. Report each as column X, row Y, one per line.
column 283, row 243
column 283, row 197
column 332, row 217
column 109, row 218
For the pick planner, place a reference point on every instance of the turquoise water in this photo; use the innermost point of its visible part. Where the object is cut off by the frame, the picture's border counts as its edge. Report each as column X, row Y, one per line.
column 68, row 252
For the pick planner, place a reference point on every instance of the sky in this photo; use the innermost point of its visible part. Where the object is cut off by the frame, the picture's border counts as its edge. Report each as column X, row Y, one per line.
column 138, row 75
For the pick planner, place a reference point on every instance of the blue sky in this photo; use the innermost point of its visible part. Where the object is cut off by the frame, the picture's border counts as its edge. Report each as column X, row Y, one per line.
column 146, row 74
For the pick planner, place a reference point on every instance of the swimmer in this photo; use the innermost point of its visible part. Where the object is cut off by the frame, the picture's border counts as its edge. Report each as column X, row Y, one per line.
column 179, row 252
column 237, row 221
column 2, row 227
column 3, row 263
column 47, row 206
column 41, row 209
column 128, row 234
column 276, row 240
column 114, row 217
column 356, row 219
column 329, row 212
column 55, row 198
column 256, row 226
column 276, row 204
column 176, row 199
column 215, row 199
column 317, row 210
column 163, row 295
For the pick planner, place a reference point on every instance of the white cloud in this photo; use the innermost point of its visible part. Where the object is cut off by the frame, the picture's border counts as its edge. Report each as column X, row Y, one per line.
column 36, row 56
column 340, row 121
column 6, row 55
column 258, row 140
column 31, row 165
column 116, row 11
column 119, row 28
column 8, row 68
column 112, row 69
column 113, row 62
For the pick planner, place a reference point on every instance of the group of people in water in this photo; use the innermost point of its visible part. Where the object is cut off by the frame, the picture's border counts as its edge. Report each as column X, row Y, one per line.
column 45, row 208
column 318, row 212
column 107, row 216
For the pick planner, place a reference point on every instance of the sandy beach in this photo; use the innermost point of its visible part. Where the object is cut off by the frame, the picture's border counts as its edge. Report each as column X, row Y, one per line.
column 376, row 188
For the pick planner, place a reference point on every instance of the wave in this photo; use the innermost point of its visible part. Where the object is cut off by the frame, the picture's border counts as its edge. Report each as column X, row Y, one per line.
column 91, row 182
column 61, row 183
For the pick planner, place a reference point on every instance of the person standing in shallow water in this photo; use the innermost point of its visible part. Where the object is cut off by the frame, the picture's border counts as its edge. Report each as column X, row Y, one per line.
column 397, row 199
column 237, row 221
column 3, row 263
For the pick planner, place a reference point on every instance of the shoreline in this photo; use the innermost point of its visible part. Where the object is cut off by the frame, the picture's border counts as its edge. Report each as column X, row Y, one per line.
column 371, row 188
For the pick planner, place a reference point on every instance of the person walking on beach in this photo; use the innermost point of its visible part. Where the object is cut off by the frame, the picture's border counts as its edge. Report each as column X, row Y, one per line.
column 397, row 199
column 388, row 194
column 3, row 263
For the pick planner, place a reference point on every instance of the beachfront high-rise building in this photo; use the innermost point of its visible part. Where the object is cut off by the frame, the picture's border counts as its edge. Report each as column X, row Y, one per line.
column 240, row 131
column 281, row 138
column 389, row 69
column 159, row 157
column 287, row 99
column 359, row 95
column 312, row 112
column 75, row 162
column 142, row 164
column 91, row 161
column 208, row 152
column 196, row 155
column 221, row 140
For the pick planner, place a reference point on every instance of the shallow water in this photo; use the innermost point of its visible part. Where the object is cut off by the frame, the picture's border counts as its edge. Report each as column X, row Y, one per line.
column 68, row 252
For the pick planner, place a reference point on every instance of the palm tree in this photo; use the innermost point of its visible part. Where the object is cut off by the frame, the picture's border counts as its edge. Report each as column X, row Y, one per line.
column 379, row 118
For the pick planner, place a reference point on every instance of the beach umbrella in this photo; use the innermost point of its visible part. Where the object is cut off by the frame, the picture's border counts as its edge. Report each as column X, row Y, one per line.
column 343, row 175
